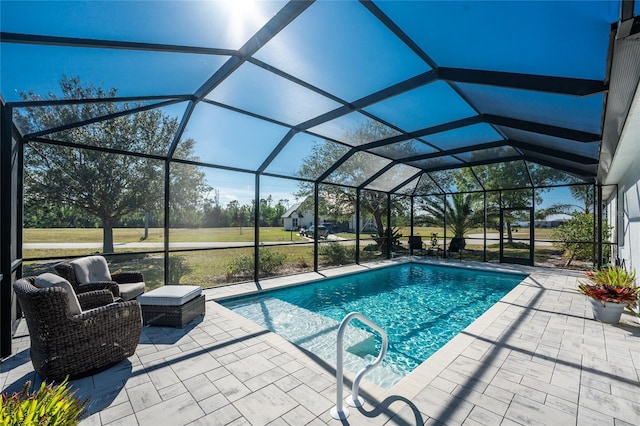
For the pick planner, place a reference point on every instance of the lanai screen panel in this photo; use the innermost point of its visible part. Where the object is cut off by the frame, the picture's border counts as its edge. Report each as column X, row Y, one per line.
column 463, row 180
column 467, row 136
column 391, row 178
column 427, row 106
column 404, row 149
column 437, row 162
column 67, row 115
column 306, row 156
column 340, row 48
column 427, row 186
column 561, row 164
column 496, row 35
column 227, row 138
column 131, row 73
column 492, row 176
column 573, row 112
column 543, row 175
column 213, row 24
column 146, row 132
column 356, row 170
column 487, row 154
column 410, row 187
column 567, row 147
column 354, row 129
column 261, row 92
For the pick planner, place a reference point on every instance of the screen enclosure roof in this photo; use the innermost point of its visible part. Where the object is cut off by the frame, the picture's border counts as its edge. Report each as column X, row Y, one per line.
column 407, row 92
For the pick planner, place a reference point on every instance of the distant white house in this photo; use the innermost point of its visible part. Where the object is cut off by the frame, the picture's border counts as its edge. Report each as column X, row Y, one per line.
column 552, row 221
column 294, row 218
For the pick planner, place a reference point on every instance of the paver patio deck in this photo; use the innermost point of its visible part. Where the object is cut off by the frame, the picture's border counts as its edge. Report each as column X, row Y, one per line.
column 537, row 358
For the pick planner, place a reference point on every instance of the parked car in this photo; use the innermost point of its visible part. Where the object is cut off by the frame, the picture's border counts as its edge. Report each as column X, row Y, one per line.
column 322, row 231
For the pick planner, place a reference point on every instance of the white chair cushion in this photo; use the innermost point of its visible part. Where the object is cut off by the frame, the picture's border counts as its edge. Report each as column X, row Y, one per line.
column 47, row 280
column 91, row 269
column 170, row 295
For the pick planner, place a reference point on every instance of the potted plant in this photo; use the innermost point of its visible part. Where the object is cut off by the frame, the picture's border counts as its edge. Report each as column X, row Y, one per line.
column 610, row 291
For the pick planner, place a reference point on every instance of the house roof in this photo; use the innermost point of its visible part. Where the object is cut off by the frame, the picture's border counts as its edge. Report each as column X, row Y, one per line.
column 560, row 217
column 291, row 210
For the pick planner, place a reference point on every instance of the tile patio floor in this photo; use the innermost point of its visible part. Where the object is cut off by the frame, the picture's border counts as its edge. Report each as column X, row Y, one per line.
column 535, row 358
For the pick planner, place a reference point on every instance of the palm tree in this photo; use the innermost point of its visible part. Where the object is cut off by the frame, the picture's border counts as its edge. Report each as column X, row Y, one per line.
column 463, row 212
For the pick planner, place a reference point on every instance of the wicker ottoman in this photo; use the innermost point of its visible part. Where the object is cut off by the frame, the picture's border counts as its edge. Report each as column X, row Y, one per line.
column 171, row 305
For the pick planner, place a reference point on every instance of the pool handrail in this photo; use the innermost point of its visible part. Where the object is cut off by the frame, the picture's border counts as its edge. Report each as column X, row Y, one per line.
column 339, row 412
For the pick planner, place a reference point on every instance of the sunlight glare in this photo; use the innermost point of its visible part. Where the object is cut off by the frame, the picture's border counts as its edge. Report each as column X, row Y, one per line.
column 243, row 17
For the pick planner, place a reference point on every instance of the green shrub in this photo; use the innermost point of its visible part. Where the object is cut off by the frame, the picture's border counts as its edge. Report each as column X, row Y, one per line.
column 336, row 253
column 240, row 266
column 49, row 405
column 302, row 263
column 178, row 267
column 576, row 238
column 270, row 262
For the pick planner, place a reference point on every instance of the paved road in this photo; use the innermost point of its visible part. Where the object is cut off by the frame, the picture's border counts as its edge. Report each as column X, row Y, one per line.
column 494, row 238
column 144, row 245
column 159, row 245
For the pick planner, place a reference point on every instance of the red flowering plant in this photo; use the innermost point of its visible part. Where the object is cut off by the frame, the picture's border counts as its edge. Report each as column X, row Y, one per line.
column 614, row 285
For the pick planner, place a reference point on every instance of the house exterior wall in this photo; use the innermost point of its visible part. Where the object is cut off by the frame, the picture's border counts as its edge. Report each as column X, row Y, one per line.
column 624, row 171
column 299, row 220
column 628, row 218
column 291, row 223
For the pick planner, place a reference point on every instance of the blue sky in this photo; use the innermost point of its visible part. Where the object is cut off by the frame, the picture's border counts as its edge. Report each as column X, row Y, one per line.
column 336, row 46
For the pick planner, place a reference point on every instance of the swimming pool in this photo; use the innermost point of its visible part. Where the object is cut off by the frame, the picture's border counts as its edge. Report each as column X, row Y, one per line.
column 420, row 306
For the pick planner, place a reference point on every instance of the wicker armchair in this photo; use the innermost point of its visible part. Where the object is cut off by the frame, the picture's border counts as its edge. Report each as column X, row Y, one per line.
column 77, row 345
column 92, row 273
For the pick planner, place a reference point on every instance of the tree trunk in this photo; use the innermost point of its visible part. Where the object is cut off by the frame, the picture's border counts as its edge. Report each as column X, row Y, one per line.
column 379, row 224
column 569, row 259
column 146, row 225
column 509, row 232
column 382, row 235
column 107, row 236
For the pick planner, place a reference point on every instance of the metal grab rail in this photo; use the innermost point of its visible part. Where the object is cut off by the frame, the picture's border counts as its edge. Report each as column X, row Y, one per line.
column 338, row 412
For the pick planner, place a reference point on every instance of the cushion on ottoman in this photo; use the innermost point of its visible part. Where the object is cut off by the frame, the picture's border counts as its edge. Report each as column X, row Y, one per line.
column 172, row 305
column 170, row 295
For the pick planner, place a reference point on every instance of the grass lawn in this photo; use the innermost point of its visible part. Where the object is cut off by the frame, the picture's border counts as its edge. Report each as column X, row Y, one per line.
column 209, row 268
column 156, row 235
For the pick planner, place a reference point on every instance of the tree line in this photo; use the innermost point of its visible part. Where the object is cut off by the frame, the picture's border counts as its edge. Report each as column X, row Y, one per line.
column 92, row 185
column 209, row 214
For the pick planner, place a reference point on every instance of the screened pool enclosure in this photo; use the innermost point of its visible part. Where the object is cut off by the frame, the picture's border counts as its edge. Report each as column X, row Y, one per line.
column 195, row 140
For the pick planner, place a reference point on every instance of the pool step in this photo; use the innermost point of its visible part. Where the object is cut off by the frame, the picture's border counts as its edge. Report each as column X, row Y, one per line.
column 305, row 328
column 317, row 334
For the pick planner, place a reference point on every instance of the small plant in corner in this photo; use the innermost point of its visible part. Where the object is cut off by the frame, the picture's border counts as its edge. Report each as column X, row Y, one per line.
column 49, row 405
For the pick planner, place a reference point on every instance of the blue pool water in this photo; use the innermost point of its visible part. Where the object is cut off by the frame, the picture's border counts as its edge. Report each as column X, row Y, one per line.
column 421, row 307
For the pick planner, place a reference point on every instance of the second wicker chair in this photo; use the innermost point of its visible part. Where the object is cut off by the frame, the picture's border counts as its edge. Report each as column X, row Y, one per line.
column 92, row 273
